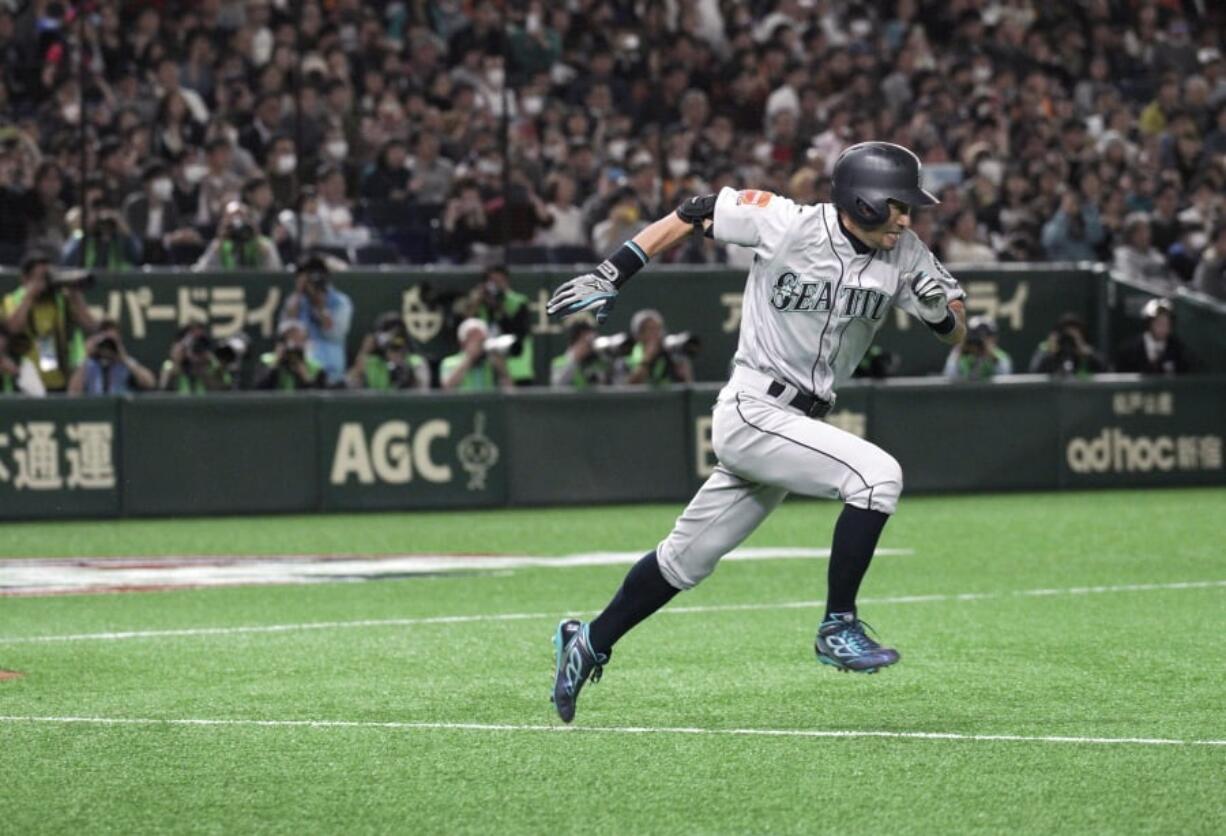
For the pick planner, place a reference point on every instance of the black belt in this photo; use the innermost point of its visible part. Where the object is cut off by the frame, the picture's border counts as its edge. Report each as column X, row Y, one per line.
column 810, row 405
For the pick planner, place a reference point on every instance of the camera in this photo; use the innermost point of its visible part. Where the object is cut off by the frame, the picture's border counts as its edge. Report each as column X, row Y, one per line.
column 106, row 226
column 199, row 345
column 238, row 230
column 500, row 345
column 106, row 345
column 682, row 343
column 613, row 345
column 317, row 280
column 390, row 340
column 231, row 352
column 70, row 278
column 1067, row 344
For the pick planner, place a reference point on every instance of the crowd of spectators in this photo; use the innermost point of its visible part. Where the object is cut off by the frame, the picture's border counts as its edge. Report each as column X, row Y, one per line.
column 232, row 133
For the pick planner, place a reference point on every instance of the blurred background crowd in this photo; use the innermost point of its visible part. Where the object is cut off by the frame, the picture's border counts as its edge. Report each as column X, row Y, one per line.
column 310, row 135
column 240, row 133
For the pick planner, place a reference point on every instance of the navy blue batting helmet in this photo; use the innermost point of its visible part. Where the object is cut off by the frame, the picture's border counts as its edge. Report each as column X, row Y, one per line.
column 868, row 175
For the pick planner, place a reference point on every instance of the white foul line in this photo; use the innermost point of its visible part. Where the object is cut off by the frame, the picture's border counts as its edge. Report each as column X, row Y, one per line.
column 522, row 616
column 683, row 730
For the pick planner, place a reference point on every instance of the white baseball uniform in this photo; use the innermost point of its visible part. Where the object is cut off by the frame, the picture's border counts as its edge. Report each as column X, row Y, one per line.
column 812, row 304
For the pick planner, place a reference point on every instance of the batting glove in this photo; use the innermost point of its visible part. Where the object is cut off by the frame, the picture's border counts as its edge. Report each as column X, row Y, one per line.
column 933, row 306
column 581, row 293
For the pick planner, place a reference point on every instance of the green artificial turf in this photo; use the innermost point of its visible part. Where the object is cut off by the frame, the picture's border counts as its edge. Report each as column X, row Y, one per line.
column 1113, row 663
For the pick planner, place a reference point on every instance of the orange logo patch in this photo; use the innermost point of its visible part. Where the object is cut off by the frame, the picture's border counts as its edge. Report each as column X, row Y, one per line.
column 753, row 197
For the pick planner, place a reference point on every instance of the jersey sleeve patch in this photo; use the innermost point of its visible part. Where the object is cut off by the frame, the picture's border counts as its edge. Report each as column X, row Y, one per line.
column 753, row 197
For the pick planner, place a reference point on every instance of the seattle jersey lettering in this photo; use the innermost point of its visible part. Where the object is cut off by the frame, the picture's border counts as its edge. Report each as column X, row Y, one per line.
column 791, row 294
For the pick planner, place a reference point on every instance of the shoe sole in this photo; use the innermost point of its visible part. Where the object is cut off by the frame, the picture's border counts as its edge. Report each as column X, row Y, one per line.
column 841, row 668
column 558, row 645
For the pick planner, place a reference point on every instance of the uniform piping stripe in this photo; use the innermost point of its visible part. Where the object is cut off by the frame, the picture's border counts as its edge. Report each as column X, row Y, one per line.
column 749, row 423
column 833, row 304
column 859, row 283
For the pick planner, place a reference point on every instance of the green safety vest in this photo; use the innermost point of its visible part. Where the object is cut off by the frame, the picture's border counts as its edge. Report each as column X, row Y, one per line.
column 579, row 381
column 478, row 379
column 231, row 257
column 377, row 374
column 970, row 368
column 185, row 384
column 47, row 317
column 520, row 368
column 114, row 255
column 286, row 381
column 658, row 374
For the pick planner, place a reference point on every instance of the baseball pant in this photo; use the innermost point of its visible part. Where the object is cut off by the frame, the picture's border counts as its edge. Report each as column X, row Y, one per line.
column 766, row 450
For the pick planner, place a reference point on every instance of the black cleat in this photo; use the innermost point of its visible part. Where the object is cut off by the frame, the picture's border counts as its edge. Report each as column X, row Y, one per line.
column 575, row 663
column 843, row 644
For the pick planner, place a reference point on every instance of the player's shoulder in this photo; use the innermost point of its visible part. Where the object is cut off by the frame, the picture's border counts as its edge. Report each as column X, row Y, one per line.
column 750, row 199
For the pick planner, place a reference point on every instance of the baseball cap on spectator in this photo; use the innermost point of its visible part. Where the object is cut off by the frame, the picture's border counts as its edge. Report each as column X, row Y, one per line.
column 469, row 325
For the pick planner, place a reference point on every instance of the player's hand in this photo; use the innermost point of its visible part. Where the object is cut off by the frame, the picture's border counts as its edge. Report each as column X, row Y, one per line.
column 581, row 293
column 933, row 305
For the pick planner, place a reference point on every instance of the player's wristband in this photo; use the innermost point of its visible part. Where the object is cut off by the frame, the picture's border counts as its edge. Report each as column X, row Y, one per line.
column 619, row 267
column 946, row 325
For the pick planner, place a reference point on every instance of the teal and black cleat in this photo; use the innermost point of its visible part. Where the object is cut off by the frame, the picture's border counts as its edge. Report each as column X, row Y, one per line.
column 575, row 662
column 843, row 643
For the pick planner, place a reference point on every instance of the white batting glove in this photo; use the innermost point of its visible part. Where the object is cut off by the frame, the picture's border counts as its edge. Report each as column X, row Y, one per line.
column 933, row 306
column 582, row 292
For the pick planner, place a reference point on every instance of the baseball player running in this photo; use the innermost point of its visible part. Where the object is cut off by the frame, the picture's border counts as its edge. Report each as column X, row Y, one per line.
column 822, row 281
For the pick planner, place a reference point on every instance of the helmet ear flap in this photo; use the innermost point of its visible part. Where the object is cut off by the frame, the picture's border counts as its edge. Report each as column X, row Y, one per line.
column 869, row 215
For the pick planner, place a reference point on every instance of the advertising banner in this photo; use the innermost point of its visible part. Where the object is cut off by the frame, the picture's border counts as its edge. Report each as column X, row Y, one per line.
column 58, row 458
column 151, row 307
column 1142, row 433
column 406, row 451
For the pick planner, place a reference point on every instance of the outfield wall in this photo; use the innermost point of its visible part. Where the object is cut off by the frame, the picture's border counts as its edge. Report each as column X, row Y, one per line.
column 1025, row 300
column 227, row 454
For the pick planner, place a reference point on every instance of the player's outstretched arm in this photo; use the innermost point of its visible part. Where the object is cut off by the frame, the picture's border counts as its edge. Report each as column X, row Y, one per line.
column 598, row 289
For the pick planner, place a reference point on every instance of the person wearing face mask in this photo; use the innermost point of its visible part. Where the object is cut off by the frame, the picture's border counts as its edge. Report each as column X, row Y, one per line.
column 154, row 219
column 281, row 169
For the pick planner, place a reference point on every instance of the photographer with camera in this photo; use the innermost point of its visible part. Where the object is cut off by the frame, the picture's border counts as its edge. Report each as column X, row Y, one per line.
column 506, row 313
column 325, row 313
column 193, row 368
column 1066, row 353
column 481, row 363
column 18, row 376
column 385, row 362
column 49, row 314
column 658, row 359
column 287, row 367
column 238, row 244
column 582, row 365
column 108, row 368
column 979, row 357
column 106, row 243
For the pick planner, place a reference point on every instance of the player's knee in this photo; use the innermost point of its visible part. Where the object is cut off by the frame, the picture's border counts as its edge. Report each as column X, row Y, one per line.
column 878, row 487
column 683, row 568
